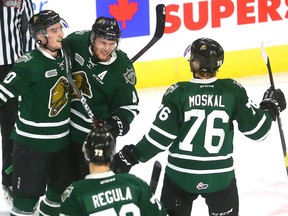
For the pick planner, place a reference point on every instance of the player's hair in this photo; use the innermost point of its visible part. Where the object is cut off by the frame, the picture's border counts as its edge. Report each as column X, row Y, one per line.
column 99, row 146
column 208, row 52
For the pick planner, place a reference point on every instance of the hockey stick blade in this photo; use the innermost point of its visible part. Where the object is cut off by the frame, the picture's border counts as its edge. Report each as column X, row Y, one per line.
column 157, row 168
column 160, row 26
column 282, row 137
column 96, row 123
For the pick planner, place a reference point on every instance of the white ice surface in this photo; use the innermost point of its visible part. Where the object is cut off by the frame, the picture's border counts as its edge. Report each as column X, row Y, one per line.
column 260, row 169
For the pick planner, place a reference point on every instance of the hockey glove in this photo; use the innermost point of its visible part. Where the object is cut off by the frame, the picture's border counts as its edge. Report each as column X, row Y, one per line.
column 274, row 101
column 124, row 160
column 117, row 126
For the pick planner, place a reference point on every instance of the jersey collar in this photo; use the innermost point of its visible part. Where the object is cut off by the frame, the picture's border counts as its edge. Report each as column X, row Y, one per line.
column 46, row 54
column 100, row 175
column 203, row 81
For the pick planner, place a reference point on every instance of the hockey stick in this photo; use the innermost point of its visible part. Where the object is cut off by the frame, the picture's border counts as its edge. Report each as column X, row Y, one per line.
column 267, row 61
column 160, row 26
column 97, row 123
column 157, row 168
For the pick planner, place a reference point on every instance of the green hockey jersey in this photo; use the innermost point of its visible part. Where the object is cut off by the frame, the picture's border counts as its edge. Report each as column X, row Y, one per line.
column 108, row 87
column 195, row 122
column 111, row 195
column 44, row 101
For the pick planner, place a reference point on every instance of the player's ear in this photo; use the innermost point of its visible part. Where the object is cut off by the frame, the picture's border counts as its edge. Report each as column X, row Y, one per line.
column 40, row 37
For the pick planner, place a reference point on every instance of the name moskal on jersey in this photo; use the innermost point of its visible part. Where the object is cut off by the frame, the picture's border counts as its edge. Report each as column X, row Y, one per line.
column 206, row 100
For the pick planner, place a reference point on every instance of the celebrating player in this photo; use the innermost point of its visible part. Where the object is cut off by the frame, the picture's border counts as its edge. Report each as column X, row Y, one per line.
column 195, row 122
column 41, row 134
column 104, row 193
column 106, row 79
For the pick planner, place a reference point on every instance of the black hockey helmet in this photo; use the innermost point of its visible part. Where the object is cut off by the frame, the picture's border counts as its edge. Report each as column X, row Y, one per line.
column 99, row 146
column 106, row 28
column 208, row 51
column 42, row 20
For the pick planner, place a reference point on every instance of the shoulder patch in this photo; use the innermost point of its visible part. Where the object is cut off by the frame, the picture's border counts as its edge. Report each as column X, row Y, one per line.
column 24, row 58
column 79, row 59
column 51, row 73
column 80, row 32
column 171, row 89
column 130, row 76
column 67, row 193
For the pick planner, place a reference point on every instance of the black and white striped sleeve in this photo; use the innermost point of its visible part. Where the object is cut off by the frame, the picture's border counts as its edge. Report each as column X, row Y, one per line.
column 15, row 39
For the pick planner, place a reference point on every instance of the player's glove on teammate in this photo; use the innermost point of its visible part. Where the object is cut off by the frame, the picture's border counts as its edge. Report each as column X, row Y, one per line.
column 117, row 126
column 274, row 101
column 124, row 160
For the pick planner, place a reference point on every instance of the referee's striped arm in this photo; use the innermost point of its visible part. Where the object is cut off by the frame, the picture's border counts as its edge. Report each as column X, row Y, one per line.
column 15, row 39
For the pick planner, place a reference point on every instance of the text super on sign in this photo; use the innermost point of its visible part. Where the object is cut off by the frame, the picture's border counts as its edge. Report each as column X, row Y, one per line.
column 196, row 15
column 132, row 16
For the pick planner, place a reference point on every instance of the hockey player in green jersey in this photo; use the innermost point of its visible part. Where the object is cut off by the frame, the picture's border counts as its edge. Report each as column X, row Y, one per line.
column 104, row 193
column 41, row 132
column 195, row 123
column 106, row 79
